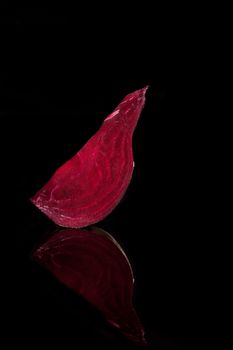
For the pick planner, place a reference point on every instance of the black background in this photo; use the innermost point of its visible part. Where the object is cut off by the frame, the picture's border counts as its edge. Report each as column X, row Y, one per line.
column 64, row 70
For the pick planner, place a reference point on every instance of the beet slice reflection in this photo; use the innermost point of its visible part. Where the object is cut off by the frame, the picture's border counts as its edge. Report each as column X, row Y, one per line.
column 88, row 187
column 93, row 264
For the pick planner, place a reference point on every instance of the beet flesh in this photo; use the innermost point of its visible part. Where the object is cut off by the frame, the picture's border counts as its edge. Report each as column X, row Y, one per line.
column 89, row 186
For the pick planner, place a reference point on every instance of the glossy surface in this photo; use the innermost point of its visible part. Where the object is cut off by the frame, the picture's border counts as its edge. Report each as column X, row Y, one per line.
column 93, row 264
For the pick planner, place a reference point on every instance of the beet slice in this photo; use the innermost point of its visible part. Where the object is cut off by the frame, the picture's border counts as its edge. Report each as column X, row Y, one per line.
column 88, row 187
column 94, row 265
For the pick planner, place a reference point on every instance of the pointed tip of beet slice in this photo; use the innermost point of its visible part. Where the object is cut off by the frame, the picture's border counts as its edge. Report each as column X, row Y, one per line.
column 85, row 189
column 94, row 265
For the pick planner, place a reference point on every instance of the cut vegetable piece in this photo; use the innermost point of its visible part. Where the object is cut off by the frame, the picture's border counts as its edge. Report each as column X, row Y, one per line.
column 88, row 187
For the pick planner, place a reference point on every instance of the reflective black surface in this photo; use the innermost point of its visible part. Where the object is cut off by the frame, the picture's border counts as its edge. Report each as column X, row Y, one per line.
column 57, row 86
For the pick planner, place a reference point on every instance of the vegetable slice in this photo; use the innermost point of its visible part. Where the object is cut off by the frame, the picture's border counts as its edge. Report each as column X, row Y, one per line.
column 89, row 186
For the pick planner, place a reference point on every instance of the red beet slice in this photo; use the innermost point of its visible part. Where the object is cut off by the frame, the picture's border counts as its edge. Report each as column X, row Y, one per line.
column 93, row 264
column 88, row 187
